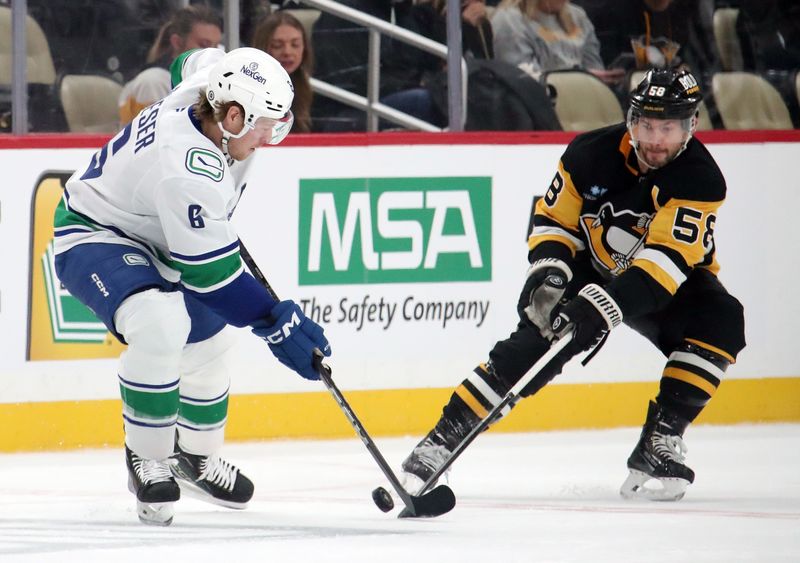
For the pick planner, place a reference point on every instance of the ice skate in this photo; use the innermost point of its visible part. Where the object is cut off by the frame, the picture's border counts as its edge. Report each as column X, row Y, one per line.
column 212, row 479
column 423, row 461
column 155, row 489
column 657, row 469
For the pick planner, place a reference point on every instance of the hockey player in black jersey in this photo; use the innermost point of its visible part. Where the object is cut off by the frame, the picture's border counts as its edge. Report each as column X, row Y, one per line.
column 625, row 233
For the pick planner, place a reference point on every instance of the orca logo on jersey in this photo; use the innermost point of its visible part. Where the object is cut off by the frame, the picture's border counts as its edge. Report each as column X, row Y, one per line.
column 204, row 162
column 252, row 71
column 285, row 331
column 135, row 260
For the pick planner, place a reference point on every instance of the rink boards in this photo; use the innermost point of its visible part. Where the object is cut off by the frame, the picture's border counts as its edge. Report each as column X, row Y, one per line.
column 410, row 250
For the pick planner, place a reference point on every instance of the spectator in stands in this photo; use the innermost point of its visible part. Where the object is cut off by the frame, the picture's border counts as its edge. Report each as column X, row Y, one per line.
column 476, row 30
column 192, row 27
column 343, row 63
column 282, row 35
column 666, row 32
column 545, row 35
column 770, row 31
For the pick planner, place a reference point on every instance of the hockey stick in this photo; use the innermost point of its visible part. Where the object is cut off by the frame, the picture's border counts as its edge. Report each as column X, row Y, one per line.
column 434, row 503
column 512, row 394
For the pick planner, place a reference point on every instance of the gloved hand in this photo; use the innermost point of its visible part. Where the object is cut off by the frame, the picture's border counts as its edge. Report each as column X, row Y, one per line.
column 547, row 279
column 592, row 312
column 293, row 337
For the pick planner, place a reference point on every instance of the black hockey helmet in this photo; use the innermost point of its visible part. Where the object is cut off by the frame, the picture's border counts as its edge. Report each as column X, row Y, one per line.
column 666, row 94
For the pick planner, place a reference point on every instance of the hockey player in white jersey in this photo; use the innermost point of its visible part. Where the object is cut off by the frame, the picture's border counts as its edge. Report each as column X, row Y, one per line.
column 143, row 238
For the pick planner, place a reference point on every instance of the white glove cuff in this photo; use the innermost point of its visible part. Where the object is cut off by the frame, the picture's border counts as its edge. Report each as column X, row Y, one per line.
column 604, row 304
column 544, row 263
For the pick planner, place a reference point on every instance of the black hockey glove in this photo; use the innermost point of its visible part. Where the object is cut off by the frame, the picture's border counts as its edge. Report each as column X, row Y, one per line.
column 592, row 312
column 547, row 279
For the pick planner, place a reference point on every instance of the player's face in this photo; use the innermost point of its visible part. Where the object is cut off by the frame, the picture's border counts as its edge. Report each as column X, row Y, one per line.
column 286, row 47
column 258, row 136
column 659, row 140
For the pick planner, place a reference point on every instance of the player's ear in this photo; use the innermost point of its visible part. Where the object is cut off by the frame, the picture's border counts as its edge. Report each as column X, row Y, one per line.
column 234, row 119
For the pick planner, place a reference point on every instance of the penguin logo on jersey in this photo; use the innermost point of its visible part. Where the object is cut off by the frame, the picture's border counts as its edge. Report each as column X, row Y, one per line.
column 615, row 237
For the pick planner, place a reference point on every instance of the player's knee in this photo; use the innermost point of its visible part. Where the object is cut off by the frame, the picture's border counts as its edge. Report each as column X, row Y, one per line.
column 154, row 321
column 727, row 330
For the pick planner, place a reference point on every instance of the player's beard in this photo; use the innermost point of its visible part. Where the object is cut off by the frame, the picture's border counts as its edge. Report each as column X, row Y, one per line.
column 656, row 157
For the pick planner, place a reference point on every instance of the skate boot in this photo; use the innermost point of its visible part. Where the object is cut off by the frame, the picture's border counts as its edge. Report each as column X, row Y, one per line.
column 155, row 488
column 657, row 469
column 423, row 461
column 212, row 479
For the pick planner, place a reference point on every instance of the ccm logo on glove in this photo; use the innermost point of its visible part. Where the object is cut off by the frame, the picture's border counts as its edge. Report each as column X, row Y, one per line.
column 285, row 331
column 293, row 338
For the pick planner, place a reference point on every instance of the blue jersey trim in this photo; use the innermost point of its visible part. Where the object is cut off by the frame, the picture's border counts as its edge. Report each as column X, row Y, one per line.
column 133, row 384
column 194, row 120
column 205, row 256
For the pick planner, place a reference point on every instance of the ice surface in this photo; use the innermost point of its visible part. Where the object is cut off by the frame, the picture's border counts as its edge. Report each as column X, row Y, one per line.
column 544, row 497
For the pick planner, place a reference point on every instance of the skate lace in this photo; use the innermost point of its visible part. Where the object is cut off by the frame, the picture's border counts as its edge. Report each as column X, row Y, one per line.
column 151, row 470
column 216, row 470
column 670, row 446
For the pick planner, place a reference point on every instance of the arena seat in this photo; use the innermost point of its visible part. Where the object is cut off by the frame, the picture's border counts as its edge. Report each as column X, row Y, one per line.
column 583, row 102
column 307, row 17
column 90, row 103
column 747, row 101
column 727, row 40
column 40, row 60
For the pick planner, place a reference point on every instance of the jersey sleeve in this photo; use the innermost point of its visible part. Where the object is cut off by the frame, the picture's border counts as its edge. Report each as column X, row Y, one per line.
column 555, row 220
column 190, row 62
column 204, row 247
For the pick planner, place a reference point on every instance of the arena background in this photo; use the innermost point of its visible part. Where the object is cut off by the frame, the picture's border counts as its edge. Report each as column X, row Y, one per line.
column 410, row 249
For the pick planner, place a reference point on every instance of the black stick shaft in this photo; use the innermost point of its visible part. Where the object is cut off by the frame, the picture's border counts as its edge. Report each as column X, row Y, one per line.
column 495, row 412
column 325, row 375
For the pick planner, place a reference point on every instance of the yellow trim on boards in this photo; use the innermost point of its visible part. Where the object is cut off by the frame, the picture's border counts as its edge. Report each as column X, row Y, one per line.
column 77, row 424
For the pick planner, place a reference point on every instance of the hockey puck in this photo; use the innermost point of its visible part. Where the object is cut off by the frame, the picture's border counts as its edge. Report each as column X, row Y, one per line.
column 382, row 499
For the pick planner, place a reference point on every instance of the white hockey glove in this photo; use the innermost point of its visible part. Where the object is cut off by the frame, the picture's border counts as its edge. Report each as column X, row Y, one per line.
column 547, row 279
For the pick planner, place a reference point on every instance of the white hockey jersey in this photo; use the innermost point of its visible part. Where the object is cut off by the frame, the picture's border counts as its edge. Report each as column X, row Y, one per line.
column 162, row 186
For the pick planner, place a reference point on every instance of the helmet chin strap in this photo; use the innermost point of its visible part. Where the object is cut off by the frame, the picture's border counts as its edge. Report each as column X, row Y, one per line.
column 227, row 136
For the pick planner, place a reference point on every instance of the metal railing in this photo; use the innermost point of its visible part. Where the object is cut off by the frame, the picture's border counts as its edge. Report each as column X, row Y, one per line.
column 371, row 103
column 457, row 73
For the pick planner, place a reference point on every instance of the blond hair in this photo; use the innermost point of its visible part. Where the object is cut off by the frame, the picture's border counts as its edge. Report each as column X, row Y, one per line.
column 531, row 9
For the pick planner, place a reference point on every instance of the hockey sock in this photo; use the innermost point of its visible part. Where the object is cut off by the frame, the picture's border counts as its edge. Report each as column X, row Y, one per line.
column 690, row 378
column 470, row 403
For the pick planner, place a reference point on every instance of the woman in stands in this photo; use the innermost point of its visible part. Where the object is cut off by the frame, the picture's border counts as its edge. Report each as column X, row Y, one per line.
column 282, row 35
column 545, row 35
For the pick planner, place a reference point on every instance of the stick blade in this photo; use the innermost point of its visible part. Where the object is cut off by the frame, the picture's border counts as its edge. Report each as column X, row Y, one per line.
column 433, row 503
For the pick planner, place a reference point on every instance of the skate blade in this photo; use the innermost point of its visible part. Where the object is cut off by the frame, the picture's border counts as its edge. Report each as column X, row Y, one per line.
column 641, row 486
column 155, row 513
column 191, row 490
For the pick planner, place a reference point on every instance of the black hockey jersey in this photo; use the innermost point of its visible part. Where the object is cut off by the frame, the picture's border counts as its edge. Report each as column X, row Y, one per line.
column 654, row 227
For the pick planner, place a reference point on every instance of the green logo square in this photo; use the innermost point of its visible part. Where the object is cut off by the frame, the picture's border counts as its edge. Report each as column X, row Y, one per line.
column 395, row 230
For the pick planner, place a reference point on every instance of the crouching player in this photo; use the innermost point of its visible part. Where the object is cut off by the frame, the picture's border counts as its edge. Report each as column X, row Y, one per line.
column 625, row 233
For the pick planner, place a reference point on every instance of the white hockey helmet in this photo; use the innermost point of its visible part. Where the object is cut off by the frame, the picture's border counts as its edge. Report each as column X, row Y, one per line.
column 257, row 82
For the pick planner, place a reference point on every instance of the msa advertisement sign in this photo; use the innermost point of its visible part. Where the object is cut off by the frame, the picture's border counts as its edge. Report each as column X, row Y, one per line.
column 395, row 230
